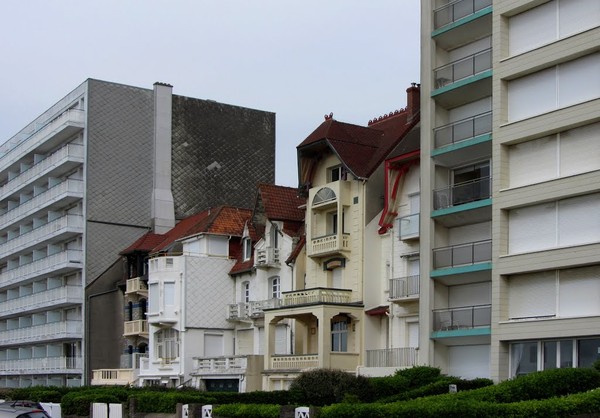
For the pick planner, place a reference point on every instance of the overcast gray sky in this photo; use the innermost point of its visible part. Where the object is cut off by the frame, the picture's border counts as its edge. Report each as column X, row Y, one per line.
column 301, row 59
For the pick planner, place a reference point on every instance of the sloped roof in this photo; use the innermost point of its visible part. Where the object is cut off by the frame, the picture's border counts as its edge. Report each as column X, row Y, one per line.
column 145, row 243
column 281, row 203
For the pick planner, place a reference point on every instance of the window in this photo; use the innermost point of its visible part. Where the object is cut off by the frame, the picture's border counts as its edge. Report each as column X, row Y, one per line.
column 324, row 195
column 246, row 291
column 339, row 333
column 169, row 295
column 247, row 248
column 167, row 344
column 274, row 236
column 275, row 287
column 471, row 183
column 153, row 295
column 337, row 173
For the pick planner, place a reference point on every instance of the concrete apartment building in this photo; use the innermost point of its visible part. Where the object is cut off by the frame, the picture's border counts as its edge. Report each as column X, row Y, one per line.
column 510, row 193
column 103, row 166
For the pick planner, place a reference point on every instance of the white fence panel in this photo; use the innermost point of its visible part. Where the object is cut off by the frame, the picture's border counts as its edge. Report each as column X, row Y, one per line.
column 115, row 410
column 302, row 412
column 206, row 411
column 52, row 409
column 99, row 410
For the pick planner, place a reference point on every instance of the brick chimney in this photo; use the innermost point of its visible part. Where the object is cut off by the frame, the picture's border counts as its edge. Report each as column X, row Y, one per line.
column 413, row 101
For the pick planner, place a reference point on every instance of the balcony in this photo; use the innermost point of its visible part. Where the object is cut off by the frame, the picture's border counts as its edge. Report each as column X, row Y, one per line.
column 63, row 193
column 42, row 137
column 267, row 257
column 329, row 244
column 57, row 263
column 136, row 285
column 462, row 254
column 221, row 365
column 456, row 10
column 114, row 377
column 466, row 317
column 457, row 22
column 463, row 68
column 42, row 365
column 60, row 296
column 409, row 227
column 250, row 310
column 404, row 288
column 392, row 357
column 46, row 332
column 55, row 165
column 463, row 130
column 133, row 328
column 317, row 295
column 461, row 193
column 58, row 229
column 297, row 362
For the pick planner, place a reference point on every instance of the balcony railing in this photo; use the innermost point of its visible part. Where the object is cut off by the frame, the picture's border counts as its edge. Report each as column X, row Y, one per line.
column 73, row 223
column 462, row 254
column 463, row 129
column 465, row 317
column 330, row 243
column 42, row 365
column 316, row 295
column 137, row 327
column 69, row 187
column 393, row 357
column 301, row 362
column 267, row 257
column 64, row 259
column 136, row 285
column 247, row 310
column 230, row 364
column 70, row 152
column 38, row 134
column 404, row 287
column 116, row 377
column 456, row 10
column 52, row 331
column 460, row 193
column 463, row 68
column 409, row 226
column 63, row 294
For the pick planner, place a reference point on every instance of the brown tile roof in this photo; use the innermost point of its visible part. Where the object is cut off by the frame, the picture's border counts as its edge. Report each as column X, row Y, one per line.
column 144, row 244
column 281, row 203
column 296, row 251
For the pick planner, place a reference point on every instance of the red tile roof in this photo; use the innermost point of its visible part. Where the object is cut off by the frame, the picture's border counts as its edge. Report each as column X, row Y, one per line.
column 281, row 203
column 145, row 243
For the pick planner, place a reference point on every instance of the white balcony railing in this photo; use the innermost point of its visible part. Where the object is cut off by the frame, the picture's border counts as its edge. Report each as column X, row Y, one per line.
column 267, row 257
column 62, row 295
column 62, row 260
column 70, row 187
column 393, row 357
column 316, row 295
column 300, row 362
column 220, row 365
column 25, row 142
column 70, row 152
column 42, row 365
column 67, row 223
column 136, row 285
column 247, row 310
column 404, row 287
column 116, row 377
column 330, row 243
column 52, row 331
column 137, row 327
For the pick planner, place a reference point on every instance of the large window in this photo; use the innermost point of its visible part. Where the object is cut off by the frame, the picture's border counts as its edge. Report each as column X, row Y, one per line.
column 530, row 356
column 565, row 154
column 550, row 22
column 247, row 248
column 275, row 283
column 339, row 333
column 567, row 222
column 564, row 85
column 246, row 291
column 167, row 344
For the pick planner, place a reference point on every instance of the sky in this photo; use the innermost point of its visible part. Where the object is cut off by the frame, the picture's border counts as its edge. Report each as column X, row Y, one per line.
column 301, row 60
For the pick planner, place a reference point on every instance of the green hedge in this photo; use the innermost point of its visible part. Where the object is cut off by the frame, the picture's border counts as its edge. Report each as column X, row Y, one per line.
column 166, row 402
column 247, row 411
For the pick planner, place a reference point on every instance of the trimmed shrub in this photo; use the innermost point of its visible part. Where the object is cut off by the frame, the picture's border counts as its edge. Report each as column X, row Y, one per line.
column 324, row 386
column 166, row 402
column 439, row 387
column 247, row 411
column 78, row 403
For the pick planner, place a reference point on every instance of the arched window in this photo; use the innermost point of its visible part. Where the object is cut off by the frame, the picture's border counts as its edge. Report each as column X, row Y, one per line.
column 323, row 195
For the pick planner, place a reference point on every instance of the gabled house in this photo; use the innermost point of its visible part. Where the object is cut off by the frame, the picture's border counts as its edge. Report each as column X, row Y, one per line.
column 341, row 173
column 261, row 273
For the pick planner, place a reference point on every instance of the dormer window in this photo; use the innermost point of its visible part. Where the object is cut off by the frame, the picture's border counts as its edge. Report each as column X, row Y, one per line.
column 247, row 248
column 337, row 173
column 274, row 236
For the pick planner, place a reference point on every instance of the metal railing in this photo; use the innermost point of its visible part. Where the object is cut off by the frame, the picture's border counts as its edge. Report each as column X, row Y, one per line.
column 456, row 10
column 409, row 226
column 403, row 287
column 463, row 129
column 316, row 295
column 392, row 357
column 465, row 317
column 463, row 68
column 462, row 254
column 459, row 193
column 68, row 294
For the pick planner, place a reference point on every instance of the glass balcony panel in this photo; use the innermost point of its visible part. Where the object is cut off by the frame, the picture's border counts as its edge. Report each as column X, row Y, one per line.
column 465, row 317
column 482, row 61
column 409, row 226
column 463, row 68
column 462, row 254
column 442, row 258
column 482, row 124
column 482, row 251
column 456, row 10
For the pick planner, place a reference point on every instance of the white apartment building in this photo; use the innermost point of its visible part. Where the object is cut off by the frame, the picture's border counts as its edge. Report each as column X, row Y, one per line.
column 81, row 182
column 509, row 258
